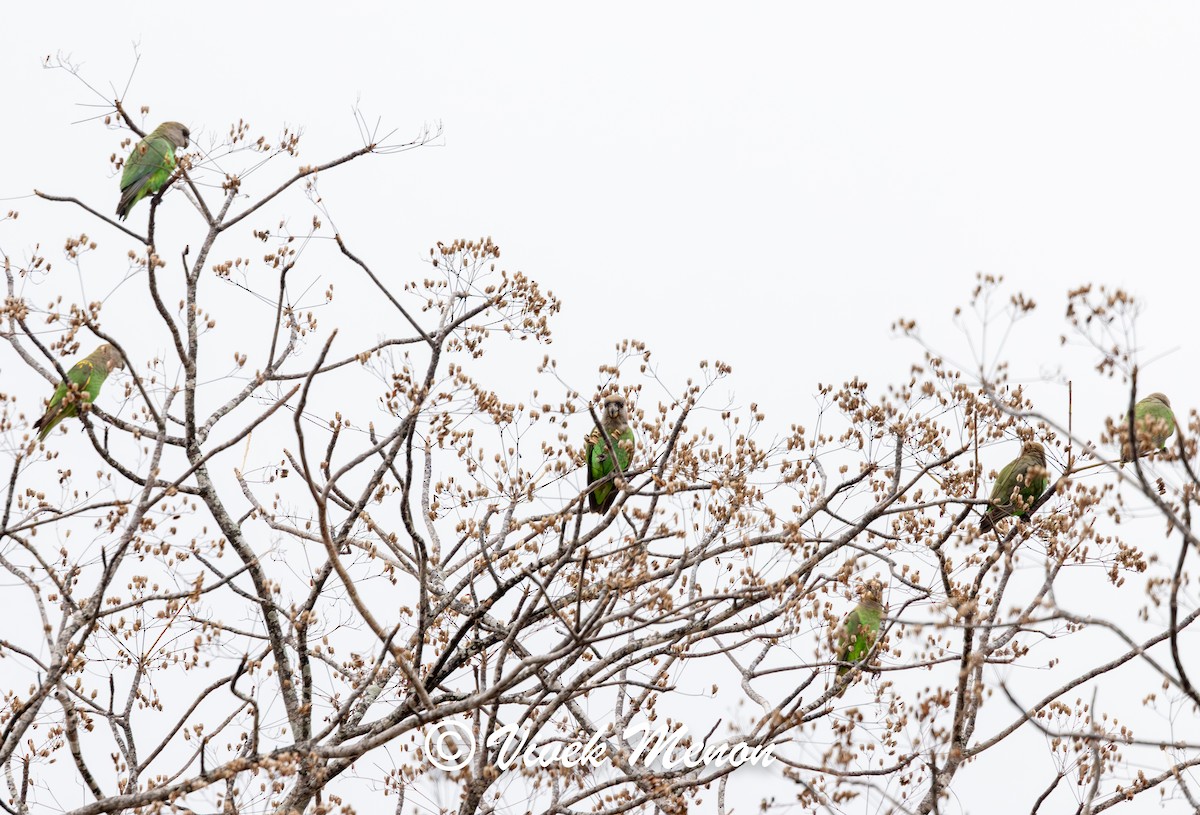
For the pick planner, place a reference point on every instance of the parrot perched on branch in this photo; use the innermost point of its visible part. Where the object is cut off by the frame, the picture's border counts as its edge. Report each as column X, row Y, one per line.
column 1028, row 474
column 150, row 164
column 860, row 628
column 615, row 421
column 83, row 381
column 1154, row 423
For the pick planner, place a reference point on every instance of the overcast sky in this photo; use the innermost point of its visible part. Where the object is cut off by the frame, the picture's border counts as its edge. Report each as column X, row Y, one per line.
column 771, row 185
column 753, row 186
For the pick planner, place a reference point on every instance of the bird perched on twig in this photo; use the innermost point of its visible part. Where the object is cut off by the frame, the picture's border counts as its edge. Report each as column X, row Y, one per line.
column 1154, row 423
column 84, row 381
column 860, row 628
column 1025, row 475
column 615, row 423
column 150, row 164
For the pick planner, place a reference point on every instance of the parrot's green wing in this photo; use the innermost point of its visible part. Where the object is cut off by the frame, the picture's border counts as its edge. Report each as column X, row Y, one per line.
column 87, row 379
column 87, row 376
column 1005, row 481
column 1035, row 489
column 1157, row 419
column 147, row 169
column 599, row 465
column 1031, row 488
column 1000, row 499
column 624, row 447
column 1014, row 474
column 1154, row 423
column 858, row 635
column 859, row 631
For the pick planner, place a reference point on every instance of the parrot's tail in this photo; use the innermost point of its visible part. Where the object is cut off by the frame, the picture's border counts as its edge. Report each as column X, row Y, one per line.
column 598, row 506
column 842, row 670
column 45, row 424
column 129, row 196
column 990, row 520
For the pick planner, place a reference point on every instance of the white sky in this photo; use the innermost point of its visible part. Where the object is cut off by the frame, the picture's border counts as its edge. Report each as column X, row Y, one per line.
column 779, row 178
column 771, row 186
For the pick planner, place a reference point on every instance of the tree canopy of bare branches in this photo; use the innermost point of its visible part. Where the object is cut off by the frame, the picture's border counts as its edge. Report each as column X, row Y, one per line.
column 334, row 502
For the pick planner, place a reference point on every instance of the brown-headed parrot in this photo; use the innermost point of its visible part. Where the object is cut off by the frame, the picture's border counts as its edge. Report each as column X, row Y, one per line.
column 860, row 628
column 1025, row 476
column 1154, row 423
column 150, row 164
column 615, row 423
column 83, row 383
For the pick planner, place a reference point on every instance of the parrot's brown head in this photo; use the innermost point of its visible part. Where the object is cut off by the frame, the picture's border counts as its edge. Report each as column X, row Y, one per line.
column 175, row 132
column 1161, row 397
column 871, row 592
column 1032, row 448
column 615, row 414
column 110, row 357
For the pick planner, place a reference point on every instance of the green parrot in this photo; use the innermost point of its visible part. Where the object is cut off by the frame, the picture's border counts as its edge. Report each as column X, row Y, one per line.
column 615, row 421
column 150, row 164
column 86, row 375
column 1018, row 474
column 1154, row 423
column 858, row 631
